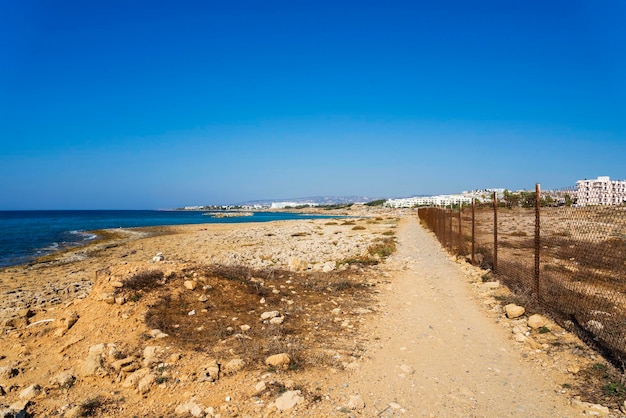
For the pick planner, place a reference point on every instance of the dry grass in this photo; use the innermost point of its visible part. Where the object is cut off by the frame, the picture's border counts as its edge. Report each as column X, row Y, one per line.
column 233, row 298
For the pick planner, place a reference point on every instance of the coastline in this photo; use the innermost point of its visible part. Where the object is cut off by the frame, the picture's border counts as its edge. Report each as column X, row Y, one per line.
column 80, row 287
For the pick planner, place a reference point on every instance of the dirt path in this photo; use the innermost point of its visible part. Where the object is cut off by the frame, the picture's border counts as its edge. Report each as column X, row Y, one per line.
column 437, row 354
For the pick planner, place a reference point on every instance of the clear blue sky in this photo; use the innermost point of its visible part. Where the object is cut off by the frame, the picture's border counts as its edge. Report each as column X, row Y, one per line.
column 133, row 104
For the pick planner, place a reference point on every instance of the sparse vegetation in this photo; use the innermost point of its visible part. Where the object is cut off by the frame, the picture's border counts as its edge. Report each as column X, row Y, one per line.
column 383, row 249
column 144, row 280
column 379, row 202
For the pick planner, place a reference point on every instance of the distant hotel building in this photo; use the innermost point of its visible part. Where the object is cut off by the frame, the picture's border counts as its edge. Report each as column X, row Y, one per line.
column 441, row 200
column 601, row 191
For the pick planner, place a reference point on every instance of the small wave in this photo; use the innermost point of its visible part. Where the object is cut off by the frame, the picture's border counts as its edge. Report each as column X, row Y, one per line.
column 52, row 247
column 86, row 236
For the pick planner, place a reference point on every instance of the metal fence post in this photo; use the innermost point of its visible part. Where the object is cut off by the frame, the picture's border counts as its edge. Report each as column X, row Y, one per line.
column 495, row 232
column 460, row 248
column 450, row 230
column 473, row 229
column 537, row 237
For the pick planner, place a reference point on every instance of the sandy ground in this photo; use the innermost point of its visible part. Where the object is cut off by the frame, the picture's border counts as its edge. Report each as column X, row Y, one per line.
column 419, row 334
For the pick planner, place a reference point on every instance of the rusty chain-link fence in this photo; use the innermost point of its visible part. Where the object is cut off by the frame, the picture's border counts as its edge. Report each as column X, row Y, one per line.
column 563, row 260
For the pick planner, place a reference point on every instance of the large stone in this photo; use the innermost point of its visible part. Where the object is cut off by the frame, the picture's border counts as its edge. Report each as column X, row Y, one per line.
column 234, row 366
column 152, row 351
column 108, row 298
column 537, row 321
column 30, row 392
column 514, row 311
column 190, row 284
column 92, row 365
column 277, row 320
column 329, row 266
column 269, row 315
column 144, row 384
column 356, row 402
column 16, row 322
column 278, row 360
column 7, row 372
column 158, row 257
column 132, row 381
column 69, row 320
column 64, row 379
column 25, row 313
column 210, row 372
column 118, row 365
column 288, row 400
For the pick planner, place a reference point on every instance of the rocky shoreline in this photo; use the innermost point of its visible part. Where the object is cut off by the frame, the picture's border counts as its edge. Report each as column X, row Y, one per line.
column 261, row 303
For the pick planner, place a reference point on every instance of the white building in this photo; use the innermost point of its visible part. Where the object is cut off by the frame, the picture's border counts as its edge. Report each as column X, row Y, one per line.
column 601, row 191
column 440, row 200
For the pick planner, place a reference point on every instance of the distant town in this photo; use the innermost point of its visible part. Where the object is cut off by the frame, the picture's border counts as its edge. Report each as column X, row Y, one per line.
column 600, row 191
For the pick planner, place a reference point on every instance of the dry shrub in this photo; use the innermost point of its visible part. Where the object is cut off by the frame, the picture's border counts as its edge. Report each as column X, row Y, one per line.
column 144, row 280
column 383, row 248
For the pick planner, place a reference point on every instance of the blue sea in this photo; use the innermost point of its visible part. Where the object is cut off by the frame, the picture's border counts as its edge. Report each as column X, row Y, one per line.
column 26, row 235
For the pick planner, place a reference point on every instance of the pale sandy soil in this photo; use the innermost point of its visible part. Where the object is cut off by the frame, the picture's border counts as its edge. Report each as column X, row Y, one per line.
column 417, row 335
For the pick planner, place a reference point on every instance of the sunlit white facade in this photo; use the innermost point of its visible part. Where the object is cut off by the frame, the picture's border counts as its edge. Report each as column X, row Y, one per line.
column 601, row 191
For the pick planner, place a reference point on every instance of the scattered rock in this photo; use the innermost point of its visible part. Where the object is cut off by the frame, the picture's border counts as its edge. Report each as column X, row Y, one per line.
column 107, row 297
column 152, row 351
column 573, row 369
column 64, row 379
column 514, row 311
column 16, row 322
column 329, row 266
column 189, row 408
column 144, row 384
column 7, row 372
column 591, row 409
column 490, row 285
column 260, row 387
column 269, row 315
column 25, row 313
column 118, row 365
column 69, row 320
column 157, row 333
column 356, row 402
column 190, row 284
column 537, row 321
column 278, row 360
column 288, row 400
column 158, row 257
column 210, row 372
column 132, row 381
column 93, row 363
column 30, row 392
column 234, row 366
column 277, row 320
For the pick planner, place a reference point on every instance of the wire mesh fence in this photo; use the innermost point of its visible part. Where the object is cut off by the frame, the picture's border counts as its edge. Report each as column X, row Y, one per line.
column 567, row 261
